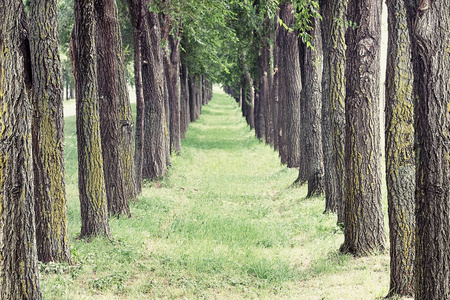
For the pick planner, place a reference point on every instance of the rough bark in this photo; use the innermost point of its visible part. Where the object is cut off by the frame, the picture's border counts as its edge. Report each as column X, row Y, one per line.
column 19, row 273
column 185, row 117
column 334, row 18
column 154, row 158
column 106, row 16
column 313, row 111
column 136, row 16
column 192, row 98
column 48, row 134
column 91, row 181
column 432, row 39
column 364, row 224
column 399, row 133
column 292, row 86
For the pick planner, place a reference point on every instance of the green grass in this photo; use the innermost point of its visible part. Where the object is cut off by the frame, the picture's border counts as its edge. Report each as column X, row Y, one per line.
column 223, row 225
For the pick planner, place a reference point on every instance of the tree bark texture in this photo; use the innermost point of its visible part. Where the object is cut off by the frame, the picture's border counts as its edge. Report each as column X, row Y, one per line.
column 364, row 227
column 19, row 273
column 91, row 181
column 155, row 122
column 432, row 39
column 334, row 98
column 48, row 134
column 290, row 68
column 275, row 87
column 108, row 94
column 184, row 101
column 172, row 67
column 399, row 133
column 136, row 16
column 313, row 111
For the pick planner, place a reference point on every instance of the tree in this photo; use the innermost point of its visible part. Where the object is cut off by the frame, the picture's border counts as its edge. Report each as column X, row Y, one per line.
column 155, row 122
column 364, row 228
column 290, row 84
column 48, row 134
column 313, row 111
column 91, row 182
column 431, row 38
column 333, row 99
column 19, row 273
column 106, row 20
column 399, row 131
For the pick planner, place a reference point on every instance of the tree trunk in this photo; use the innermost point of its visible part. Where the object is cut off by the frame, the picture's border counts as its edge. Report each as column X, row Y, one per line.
column 172, row 60
column 154, row 158
column 364, row 223
column 108, row 92
column 19, row 273
column 136, row 16
column 192, row 98
column 313, row 111
column 432, row 39
column 334, row 18
column 91, row 181
column 399, row 132
column 275, row 87
column 292, row 85
column 185, row 114
column 48, row 134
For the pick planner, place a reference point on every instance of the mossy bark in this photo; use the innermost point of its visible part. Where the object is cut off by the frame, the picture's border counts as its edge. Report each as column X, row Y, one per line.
column 91, row 180
column 364, row 222
column 19, row 273
column 432, row 116
column 108, row 70
column 399, row 133
column 48, row 134
column 291, row 84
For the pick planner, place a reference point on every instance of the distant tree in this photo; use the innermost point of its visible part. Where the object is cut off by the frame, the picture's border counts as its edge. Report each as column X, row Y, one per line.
column 91, row 182
column 48, row 134
column 364, row 222
column 399, row 132
column 106, row 20
column 19, row 273
column 431, row 38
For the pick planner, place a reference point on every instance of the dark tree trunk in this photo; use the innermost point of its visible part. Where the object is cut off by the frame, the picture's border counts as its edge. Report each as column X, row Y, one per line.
column 108, row 93
column 136, row 16
column 400, row 168
column 154, row 158
column 184, row 111
column 292, row 86
column 432, row 39
column 172, row 60
column 313, row 111
column 91, row 181
column 192, row 98
column 275, row 88
column 48, row 134
column 364, row 223
column 333, row 110
column 19, row 273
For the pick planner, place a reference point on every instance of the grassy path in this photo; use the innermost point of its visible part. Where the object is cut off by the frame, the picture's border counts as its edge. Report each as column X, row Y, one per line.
column 223, row 225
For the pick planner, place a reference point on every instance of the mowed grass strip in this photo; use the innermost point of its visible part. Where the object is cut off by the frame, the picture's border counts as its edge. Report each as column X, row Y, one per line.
column 223, row 225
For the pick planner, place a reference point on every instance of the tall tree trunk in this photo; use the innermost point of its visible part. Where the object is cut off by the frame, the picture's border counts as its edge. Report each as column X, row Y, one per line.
column 275, row 87
column 48, row 134
column 432, row 39
column 136, row 16
column 192, row 98
column 172, row 60
column 400, row 168
column 313, row 111
column 19, row 273
column 108, row 92
column 333, row 99
column 185, row 113
column 154, row 158
column 292, row 85
column 91, row 181
column 364, row 223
